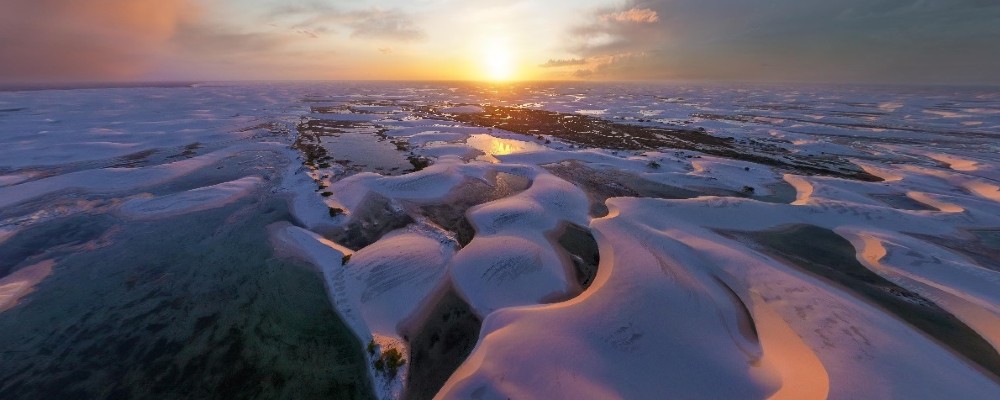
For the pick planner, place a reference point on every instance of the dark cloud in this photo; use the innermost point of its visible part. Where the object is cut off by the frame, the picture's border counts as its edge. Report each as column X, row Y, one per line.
column 57, row 40
column 920, row 41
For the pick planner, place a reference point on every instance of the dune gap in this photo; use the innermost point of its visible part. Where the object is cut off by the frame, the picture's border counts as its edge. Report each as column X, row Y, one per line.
column 440, row 344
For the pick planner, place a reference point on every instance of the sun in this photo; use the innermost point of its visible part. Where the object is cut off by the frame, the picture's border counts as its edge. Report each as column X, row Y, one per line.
column 498, row 64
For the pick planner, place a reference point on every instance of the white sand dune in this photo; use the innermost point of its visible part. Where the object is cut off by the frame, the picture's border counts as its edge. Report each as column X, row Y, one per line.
column 122, row 179
column 192, row 200
column 857, row 345
column 389, row 279
column 679, row 310
column 685, row 304
column 956, row 163
column 20, row 283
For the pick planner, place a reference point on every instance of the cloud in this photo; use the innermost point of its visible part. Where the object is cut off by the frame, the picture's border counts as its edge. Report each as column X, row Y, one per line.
column 918, row 41
column 310, row 34
column 556, row 63
column 372, row 23
column 204, row 40
column 106, row 40
column 634, row 15
column 610, row 64
column 381, row 24
column 56, row 40
column 206, row 49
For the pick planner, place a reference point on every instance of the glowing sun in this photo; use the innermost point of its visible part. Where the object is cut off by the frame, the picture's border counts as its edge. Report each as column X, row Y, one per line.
column 497, row 62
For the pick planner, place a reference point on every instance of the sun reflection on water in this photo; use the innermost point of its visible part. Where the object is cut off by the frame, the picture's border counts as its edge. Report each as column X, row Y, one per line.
column 494, row 146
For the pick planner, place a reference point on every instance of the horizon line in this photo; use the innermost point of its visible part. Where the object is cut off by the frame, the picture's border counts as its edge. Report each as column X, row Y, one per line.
column 180, row 83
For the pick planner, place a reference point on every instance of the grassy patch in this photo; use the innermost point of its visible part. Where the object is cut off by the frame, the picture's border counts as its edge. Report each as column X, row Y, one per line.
column 419, row 163
column 389, row 362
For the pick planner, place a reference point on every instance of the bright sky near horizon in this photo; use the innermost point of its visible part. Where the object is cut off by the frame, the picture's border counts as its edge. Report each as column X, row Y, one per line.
column 891, row 41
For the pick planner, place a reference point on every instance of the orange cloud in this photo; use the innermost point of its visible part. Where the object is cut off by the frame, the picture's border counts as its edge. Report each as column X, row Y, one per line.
column 635, row 15
column 57, row 40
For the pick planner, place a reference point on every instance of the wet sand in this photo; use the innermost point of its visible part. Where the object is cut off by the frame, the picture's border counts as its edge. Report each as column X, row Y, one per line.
column 596, row 132
column 369, row 224
column 902, row 202
column 581, row 248
column 983, row 246
column 601, row 185
column 825, row 254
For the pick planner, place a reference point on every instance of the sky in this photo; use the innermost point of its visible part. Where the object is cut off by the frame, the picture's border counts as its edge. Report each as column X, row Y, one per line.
column 863, row 41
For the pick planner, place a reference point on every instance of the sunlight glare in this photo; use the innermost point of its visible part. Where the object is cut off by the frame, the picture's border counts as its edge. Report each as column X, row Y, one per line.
column 499, row 65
